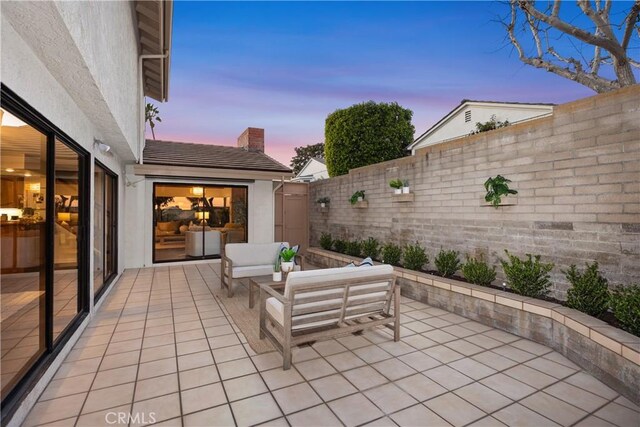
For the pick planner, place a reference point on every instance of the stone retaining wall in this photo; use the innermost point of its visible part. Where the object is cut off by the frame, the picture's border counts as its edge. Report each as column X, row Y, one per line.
column 608, row 353
column 578, row 177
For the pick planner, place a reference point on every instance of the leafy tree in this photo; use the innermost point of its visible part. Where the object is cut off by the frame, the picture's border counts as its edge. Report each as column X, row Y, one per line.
column 492, row 124
column 366, row 133
column 151, row 116
column 533, row 31
column 303, row 154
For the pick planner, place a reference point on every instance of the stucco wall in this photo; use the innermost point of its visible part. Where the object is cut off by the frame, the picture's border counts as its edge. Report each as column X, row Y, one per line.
column 578, row 177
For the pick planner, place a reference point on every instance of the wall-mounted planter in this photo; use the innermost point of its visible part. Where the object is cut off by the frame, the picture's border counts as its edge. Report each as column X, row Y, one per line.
column 361, row 204
column 510, row 201
column 608, row 353
column 324, row 209
column 403, row 198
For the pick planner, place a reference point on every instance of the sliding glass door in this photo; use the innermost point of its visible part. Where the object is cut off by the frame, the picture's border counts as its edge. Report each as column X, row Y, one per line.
column 195, row 221
column 43, row 229
column 104, row 229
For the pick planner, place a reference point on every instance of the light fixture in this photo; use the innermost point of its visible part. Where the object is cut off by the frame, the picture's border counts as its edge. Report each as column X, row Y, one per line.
column 104, row 148
column 202, row 215
column 64, row 216
column 197, row 191
column 27, row 174
column 10, row 170
column 35, row 187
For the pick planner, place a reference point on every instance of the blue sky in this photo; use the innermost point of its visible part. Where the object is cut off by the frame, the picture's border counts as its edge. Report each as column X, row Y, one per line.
column 286, row 66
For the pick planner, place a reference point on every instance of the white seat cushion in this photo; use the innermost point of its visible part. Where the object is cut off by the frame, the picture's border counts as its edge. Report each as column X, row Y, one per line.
column 276, row 310
column 249, row 254
column 251, row 271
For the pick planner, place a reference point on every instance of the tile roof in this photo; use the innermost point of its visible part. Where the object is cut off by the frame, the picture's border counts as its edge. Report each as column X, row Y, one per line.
column 172, row 153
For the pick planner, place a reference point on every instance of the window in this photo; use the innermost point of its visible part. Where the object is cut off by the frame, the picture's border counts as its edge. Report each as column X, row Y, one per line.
column 195, row 221
column 43, row 217
column 467, row 116
column 104, row 229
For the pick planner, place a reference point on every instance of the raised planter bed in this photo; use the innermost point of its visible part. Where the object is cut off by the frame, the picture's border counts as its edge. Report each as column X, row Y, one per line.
column 608, row 353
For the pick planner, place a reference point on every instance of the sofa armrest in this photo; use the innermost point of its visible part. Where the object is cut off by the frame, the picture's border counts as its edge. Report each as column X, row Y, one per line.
column 266, row 289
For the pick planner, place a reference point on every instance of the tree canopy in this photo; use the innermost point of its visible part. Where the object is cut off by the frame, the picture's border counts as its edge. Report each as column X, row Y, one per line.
column 304, row 153
column 366, row 133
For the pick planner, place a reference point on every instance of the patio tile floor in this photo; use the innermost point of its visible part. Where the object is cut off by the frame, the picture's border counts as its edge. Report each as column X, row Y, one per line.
column 162, row 344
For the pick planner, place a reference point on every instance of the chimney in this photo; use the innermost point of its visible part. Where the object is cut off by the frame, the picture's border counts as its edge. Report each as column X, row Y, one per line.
column 252, row 139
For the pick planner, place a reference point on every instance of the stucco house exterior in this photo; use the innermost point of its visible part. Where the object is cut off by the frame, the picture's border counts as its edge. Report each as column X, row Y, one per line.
column 84, row 196
column 313, row 170
column 462, row 119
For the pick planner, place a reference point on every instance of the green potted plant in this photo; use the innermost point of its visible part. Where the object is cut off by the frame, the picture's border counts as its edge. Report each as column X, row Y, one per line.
column 497, row 188
column 323, row 201
column 287, row 256
column 277, row 272
column 358, row 196
column 396, row 184
column 405, row 186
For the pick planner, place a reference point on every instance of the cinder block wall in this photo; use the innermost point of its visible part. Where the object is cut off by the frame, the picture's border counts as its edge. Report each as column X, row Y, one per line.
column 578, row 179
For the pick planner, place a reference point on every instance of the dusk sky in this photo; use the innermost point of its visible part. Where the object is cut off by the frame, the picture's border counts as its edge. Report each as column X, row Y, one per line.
column 285, row 66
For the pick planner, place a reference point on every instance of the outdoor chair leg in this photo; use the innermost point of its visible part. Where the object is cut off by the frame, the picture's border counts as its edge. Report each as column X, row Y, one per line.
column 286, row 358
column 396, row 314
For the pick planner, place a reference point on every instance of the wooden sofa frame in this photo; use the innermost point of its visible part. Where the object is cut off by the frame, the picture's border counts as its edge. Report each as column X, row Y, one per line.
column 284, row 337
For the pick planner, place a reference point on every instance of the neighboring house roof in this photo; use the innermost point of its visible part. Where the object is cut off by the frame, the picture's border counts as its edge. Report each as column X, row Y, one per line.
column 303, row 175
column 155, row 21
column 466, row 102
column 172, row 153
column 318, row 159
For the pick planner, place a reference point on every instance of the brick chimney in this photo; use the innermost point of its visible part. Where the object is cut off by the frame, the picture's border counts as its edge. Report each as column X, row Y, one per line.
column 252, row 139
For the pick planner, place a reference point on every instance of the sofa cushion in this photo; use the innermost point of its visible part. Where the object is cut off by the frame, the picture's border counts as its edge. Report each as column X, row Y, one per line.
column 247, row 254
column 251, row 271
column 276, row 310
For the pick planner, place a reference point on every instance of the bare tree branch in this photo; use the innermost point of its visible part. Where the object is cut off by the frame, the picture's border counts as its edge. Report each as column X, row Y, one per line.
column 631, row 23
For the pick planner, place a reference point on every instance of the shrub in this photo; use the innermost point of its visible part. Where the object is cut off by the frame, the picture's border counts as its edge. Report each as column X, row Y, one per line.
column 391, row 254
column 478, row 272
column 447, row 263
column 353, row 248
column 395, row 183
column 497, row 188
column 625, row 304
column 366, row 133
column 354, row 197
column 339, row 245
column 371, row 248
column 414, row 257
column 326, row 242
column 529, row 277
column 589, row 291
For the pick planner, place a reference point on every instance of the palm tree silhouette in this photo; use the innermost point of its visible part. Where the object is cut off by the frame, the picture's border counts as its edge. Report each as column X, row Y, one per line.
column 151, row 116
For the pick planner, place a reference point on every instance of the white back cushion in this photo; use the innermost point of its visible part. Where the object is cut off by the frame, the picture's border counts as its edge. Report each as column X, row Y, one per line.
column 243, row 254
column 321, row 277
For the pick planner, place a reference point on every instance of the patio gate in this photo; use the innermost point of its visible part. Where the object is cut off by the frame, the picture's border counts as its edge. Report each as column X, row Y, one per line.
column 292, row 213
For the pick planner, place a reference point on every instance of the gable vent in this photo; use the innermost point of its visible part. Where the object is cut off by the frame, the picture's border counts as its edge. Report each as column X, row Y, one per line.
column 467, row 116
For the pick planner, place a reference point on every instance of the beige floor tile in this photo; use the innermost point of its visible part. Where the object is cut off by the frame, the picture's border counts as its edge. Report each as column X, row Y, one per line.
column 226, row 354
column 315, row 368
column 304, row 353
column 487, row 422
column 592, row 385
column 195, row 360
column 418, row 415
column 593, row 421
column 621, row 400
column 419, row 361
column 420, row 387
column 464, row 347
column 353, row 342
column 296, row 397
column 106, row 417
column 55, row 409
column 393, row 369
column 278, row 378
column 454, row 410
column 163, row 408
column 157, row 386
column 207, row 396
column 507, row 386
column 157, row 368
column 484, row 341
column 318, row 416
column 120, row 360
column 79, row 352
column 236, row 368
column 576, row 396
column 549, row 367
column 472, row 368
column 355, row 410
column 333, row 387
column 345, row 361
column 216, row 331
column 67, row 386
column 267, row 361
column 198, row 377
column 619, row 415
column 521, row 416
column 530, row 376
column 494, row 360
column 158, row 340
column 448, row 377
column 223, row 341
column 189, row 347
column 78, row 367
column 396, row 348
column 513, row 353
column 372, row 354
column 243, row 387
column 365, row 377
column 108, row 397
column 219, row 416
column 531, row 347
column 390, row 398
column 255, row 410
column 483, row 397
column 329, row 347
column 417, row 326
column 553, row 408
column 419, row 342
column 437, row 322
column 442, row 353
column 503, row 336
column 124, row 346
column 116, row 376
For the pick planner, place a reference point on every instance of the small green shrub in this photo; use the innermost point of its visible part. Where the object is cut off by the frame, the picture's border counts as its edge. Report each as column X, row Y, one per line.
column 326, row 241
column 478, row 272
column 589, row 291
column 625, row 304
column 497, row 188
column 447, row 263
column 529, row 277
column 353, row 248
column 371, row 248
column 339, row 245
column 354, row 197
column 391, row 254
column 414, row 257
column 396, row 183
